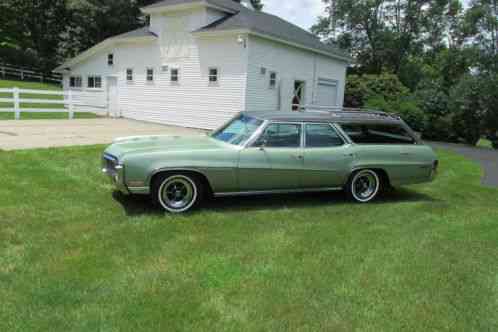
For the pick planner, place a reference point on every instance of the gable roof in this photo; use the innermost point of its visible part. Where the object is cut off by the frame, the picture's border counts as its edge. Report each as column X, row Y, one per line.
column 228, row 4
column 242, row 18
column 273, row 26
column 139, row 34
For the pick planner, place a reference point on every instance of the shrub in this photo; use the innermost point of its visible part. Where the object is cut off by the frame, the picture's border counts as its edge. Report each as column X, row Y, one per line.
column 405, row 107
column 440, row 129
column 361, row 88
column 466, row 106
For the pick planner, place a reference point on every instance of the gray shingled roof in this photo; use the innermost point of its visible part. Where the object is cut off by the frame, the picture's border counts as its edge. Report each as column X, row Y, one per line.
column 229, row 4
column 259, row 22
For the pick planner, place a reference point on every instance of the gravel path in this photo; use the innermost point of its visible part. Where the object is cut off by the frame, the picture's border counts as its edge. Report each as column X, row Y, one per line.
column 487, row 158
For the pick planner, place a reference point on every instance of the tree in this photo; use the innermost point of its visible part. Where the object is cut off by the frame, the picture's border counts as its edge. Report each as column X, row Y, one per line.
column 383, row 33
column 481, row 23
column 32, row 28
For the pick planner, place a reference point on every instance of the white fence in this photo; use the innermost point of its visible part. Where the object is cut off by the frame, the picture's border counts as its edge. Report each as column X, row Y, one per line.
column 7, row 70
column 29, row 101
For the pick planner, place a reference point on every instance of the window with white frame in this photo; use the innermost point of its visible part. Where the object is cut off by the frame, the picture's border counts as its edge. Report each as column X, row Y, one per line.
column 175, row 75
column 150, row 74
column 273, row 80
column 213, row 75
column 129, row 75
column 110, row 59
column 94, row 82
column 75, row 82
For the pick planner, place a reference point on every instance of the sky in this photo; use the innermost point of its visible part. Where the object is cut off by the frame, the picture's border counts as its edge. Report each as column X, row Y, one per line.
column 300, row 12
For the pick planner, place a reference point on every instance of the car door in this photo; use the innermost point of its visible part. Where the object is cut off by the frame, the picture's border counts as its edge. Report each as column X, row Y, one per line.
column 274, row 161
column 327, row 157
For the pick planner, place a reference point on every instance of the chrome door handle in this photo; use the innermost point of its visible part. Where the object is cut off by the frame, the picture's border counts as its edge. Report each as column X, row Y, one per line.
column 297, row 156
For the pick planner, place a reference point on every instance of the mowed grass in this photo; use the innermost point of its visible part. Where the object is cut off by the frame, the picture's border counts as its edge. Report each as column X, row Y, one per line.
column 76, row 256
column 7, row 84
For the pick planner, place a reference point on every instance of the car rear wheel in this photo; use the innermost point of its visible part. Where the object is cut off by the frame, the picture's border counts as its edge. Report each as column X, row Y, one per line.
column 177, row 193
column 364, row 186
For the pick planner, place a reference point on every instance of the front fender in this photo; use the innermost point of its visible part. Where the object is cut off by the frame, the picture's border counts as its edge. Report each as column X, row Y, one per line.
column 217, row 167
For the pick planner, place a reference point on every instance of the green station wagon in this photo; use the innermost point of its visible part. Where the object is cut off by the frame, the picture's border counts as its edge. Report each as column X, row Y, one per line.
column 360, row 152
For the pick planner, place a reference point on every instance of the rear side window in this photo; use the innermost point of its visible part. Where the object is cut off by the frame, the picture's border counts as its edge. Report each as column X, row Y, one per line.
column 378, row 134
column 321, row 136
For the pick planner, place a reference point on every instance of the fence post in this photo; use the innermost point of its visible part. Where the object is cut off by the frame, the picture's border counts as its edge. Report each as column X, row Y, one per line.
column 22, row 75
column 71, row 106
column 17, row 108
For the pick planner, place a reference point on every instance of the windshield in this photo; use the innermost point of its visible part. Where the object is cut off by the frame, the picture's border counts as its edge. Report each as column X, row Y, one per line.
column 238, row 131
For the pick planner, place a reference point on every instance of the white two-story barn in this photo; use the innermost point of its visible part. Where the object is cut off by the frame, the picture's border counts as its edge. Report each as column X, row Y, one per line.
column 201, row 61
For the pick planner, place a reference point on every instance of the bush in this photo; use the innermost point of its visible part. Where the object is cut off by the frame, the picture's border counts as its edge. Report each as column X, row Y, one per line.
column 405, row 107
column 468, row 113
column 361, row 88
column 440, row 129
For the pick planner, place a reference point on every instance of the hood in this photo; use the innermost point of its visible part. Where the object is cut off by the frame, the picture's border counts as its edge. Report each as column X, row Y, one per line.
column 144, row 144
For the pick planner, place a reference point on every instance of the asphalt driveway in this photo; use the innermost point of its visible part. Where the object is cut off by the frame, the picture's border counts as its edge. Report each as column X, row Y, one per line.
column 30, row 134
column 487, row 158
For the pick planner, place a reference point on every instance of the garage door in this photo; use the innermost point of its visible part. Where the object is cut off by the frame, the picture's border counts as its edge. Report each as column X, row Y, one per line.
column 326, row 93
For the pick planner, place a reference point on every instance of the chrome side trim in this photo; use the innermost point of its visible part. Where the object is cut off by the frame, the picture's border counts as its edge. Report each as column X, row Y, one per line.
column 139, row 190
column 283, row 191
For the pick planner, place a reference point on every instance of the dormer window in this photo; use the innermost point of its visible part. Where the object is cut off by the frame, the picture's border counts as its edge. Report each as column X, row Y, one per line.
column 110, row 59
column 213, row 75
column 150, row 75
column 273, row 80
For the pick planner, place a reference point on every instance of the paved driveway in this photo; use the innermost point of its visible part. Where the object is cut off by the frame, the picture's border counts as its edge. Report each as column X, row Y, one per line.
column 29, row 134
column 487, row 158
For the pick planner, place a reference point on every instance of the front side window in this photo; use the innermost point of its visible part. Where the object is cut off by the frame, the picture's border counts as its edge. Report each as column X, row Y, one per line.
column 378, row 134
column 110, row 59
column 75, row 82
column 175, row 75
column 94, row 82
column 321, row 136
column 150, row 74
column 213, row 75
column 129, row 75
column 281, row 135
column 238, row 131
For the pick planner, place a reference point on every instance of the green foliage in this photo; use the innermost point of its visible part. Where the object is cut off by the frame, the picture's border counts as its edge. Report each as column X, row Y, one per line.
column 465, row 105
column 359, row 89
column 406, row 107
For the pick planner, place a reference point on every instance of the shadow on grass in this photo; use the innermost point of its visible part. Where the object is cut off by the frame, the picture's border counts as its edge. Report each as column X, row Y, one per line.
column 141, row 205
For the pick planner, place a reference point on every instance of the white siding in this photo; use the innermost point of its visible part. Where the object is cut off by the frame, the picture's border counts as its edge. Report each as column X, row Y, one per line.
column 193, row 102
column 96, row 65
column 291, row 64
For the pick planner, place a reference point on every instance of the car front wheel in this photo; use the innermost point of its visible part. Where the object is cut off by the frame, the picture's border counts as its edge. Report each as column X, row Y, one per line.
column 177, row 193
column 364, row 186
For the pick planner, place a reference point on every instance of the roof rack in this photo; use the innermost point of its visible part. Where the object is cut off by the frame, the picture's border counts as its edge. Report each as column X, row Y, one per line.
column 338, row 111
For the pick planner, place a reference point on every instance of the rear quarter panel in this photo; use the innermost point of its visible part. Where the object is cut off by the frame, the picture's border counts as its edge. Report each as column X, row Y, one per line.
column 404, row 164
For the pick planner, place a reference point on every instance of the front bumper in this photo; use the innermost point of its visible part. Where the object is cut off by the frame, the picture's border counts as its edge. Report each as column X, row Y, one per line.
column 115, row 172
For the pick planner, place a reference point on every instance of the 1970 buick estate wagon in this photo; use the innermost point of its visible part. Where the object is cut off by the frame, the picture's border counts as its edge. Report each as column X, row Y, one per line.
column 359, row 152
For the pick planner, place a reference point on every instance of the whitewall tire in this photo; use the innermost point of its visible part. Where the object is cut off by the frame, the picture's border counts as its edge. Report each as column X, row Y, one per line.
column 364, row 186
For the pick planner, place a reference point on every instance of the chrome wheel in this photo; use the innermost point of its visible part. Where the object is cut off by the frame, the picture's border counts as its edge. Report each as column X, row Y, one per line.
column 177, row 193
column 365, row 186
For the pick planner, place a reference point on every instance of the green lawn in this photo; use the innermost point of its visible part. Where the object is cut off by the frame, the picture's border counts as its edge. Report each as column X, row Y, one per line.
column 6, row 84
column 74, row 256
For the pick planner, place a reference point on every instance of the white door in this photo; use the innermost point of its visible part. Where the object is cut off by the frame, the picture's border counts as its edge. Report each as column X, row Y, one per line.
column 326, row 94
column 112, row 96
